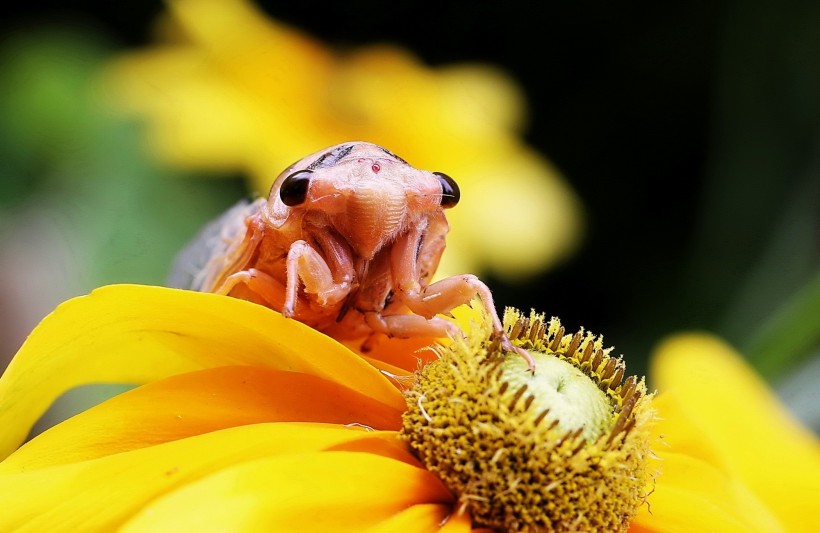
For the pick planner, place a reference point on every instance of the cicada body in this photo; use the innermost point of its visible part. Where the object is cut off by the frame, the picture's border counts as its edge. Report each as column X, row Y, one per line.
column 347, row 242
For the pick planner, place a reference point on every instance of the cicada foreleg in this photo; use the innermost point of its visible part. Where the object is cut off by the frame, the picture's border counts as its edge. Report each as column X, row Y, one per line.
column 442, row 296
column 258, row 282
column 307, row 265
column 410, row 326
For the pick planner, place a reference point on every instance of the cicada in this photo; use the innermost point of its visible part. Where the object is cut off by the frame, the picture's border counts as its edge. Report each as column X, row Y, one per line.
column 347, row 242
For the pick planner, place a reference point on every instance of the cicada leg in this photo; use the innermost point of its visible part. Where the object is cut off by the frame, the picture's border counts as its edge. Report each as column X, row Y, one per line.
column 440, row 297
column 265, row 285
column 445, row 295
column 409, row 326
column 306, row 264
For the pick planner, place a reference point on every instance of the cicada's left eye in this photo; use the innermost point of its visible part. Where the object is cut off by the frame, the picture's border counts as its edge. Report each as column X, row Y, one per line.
column 450, row 195
column 294, row 188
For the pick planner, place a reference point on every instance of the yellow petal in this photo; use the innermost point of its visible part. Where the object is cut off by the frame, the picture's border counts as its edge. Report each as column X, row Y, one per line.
column 254, row 101
column 692, row 496
column 101, row 494
column 423, row 518
column 138, row 334
column 199, row 402
column 330, row 491
column 756, row 438
column 233, row 32
column 673, row 430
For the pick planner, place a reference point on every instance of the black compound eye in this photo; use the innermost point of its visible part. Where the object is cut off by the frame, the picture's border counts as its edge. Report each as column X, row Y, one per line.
column 294, row 188
column 450, row 195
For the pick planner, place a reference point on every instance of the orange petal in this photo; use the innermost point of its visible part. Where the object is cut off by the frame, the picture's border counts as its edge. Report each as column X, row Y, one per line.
column 421, row 518
column 459, row 522
column 406, row 354
column 101, row 494
column 199, row 402
column 395, row 449
column 138, row 334
column 329, row 491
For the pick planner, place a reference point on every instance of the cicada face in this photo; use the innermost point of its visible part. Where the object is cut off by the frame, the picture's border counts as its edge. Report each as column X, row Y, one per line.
column 366, row 193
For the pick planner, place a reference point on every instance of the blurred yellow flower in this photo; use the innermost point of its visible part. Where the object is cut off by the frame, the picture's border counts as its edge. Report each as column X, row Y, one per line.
column 248, row 421
column 731, row 457
column 227, row 88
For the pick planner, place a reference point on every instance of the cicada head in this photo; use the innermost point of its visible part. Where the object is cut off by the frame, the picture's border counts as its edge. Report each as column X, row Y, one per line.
column 366, row 193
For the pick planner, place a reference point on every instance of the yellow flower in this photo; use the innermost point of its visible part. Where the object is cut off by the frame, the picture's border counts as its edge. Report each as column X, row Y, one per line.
column 240, row 423
column 229, row 89
column 248, row 421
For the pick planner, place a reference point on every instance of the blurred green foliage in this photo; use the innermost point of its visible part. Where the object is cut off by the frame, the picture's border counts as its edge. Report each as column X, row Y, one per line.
column 64, row 154
column 120, row 217
column 757, row 246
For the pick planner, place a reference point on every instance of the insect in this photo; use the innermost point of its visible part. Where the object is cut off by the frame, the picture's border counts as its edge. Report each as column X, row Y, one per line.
column 347, row 242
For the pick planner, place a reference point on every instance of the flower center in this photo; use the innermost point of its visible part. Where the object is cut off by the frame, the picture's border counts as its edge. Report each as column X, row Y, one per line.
column 572, row 398
column 562, row 449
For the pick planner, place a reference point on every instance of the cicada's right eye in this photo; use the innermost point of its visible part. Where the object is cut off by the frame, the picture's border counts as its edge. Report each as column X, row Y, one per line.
column 450, row 194
column 294, row 188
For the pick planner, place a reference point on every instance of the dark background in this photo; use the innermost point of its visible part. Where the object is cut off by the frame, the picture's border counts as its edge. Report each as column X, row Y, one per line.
column 689, row 131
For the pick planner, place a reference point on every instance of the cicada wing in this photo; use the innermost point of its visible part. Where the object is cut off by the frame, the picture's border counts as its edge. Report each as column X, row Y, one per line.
column 206, row 256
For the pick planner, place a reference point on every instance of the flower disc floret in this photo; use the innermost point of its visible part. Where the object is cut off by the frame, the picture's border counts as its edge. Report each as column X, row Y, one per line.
column 563, row 449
